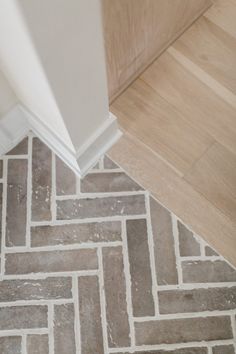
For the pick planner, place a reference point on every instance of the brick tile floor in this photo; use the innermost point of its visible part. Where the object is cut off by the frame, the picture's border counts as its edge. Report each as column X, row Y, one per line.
column 98, row 266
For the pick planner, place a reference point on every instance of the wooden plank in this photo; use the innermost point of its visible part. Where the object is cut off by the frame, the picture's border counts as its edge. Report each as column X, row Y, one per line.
column 214, row 176
column 212, row 49
column 196, row 102
column 143, row 113
column 176, row 194
column 137, row 31
column 223, row 14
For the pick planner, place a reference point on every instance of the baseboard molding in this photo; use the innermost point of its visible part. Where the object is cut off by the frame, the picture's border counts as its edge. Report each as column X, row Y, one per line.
column 13, row 128
column 19, row 121
column 98, row 144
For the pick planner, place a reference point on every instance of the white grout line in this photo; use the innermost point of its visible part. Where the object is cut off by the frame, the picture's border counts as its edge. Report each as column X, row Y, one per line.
column 95, row 195
column 182, row 315
column 152, row 255
column 88, row 220
column 193, row 286
column 24, row 344
column 128, row 283
column 78, row 185
column 233, row 324
column 23, row 331
column 42, row 302
column 102, row 301
column 29, row 192
column 51, row 328
column 48, row 275
column 53, row 192
column 76, row 246
column 16, row 157
column 175, row 346
column 210, row 350
column 77, row 320
column 202, row 247
column 201, row 258
column 4, row 213
column 176, row 246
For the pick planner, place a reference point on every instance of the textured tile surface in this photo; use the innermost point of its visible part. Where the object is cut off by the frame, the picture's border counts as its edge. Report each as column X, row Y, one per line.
column 97, row 266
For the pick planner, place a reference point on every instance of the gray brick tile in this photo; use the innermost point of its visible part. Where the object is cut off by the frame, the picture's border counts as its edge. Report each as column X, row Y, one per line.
column 51, row 261
column 41, row 181
column 16, row 202
column 100, row 207
column 140, row 269
column 183, row 330
column 75, row 233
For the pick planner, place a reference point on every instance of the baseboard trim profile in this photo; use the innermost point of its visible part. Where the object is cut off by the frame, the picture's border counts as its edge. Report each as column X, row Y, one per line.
column 13, row 128
column 15, row 125
column 98, row 144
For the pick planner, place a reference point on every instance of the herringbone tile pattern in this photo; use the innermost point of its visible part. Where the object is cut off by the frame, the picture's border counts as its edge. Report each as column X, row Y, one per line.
column 98, row 266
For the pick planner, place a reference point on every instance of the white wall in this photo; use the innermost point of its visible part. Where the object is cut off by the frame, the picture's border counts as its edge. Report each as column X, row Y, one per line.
column 7, row 97
column 68, row 38
column 52, row 53
column 22, row 67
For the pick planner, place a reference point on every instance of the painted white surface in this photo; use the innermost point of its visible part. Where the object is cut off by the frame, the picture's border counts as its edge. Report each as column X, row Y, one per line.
column 16, row 124
column 7, row 97
column 68, row 38
column 22, row 67
column 52, row 53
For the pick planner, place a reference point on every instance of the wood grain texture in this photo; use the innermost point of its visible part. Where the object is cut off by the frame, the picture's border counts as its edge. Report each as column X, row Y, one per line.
column 198, row 105
column 146, row 115
column 179, row 119
column 137, row 31
column 214, row 176
column 144, row 165
column 212, row 49
column 223, row 14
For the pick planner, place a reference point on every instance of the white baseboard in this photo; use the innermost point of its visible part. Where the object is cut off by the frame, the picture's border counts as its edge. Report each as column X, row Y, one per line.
column 17, row 123
column 13, row 128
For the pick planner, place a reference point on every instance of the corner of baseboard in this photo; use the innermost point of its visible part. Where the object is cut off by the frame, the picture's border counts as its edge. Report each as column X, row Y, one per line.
column 13, row 128
column 15, row 125
column 98, row 144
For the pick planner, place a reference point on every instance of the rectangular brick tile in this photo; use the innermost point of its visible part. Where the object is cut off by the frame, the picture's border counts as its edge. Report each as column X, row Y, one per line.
column 183, row 330
column 65, row 178
column 211, row 299
column 64, row 332
column 20, row 149
column 115, row 294
column 1, row 168
column 41, row 181
column 140, row 269
column 17, row 317
column 108, row 182
column 16, row 202
column 37, row 344
column 51, row 261
column 100, row 207
column 207, row 272
column 10, row 345
column 29, row 289
column 163, row 244
column 223, row 349
column 197, row 350
column 75, row 233
column 91, row 326
column 109, row 164
column 188, row 245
